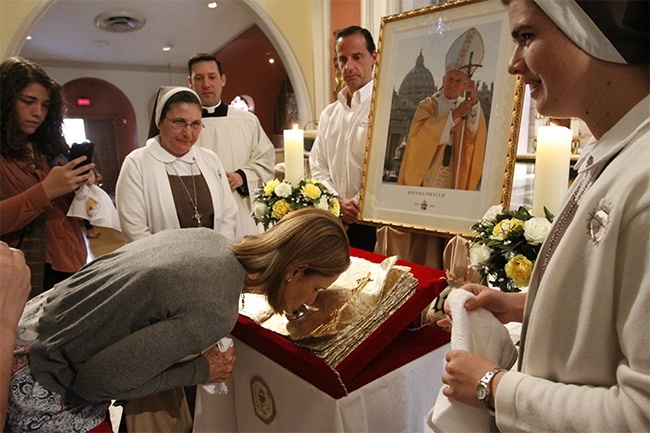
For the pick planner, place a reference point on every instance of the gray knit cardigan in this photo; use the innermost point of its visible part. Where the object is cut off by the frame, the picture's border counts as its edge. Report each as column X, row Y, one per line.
column 118, row 328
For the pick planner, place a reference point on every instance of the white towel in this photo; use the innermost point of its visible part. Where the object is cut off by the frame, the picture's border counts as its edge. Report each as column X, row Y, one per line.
column 93, row 204
column 478, row 332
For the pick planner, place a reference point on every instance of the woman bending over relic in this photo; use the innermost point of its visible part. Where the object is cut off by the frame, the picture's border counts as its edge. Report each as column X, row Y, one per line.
column 146, row 317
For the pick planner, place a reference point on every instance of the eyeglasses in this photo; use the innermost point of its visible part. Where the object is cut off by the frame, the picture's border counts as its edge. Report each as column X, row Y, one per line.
column 180, row 124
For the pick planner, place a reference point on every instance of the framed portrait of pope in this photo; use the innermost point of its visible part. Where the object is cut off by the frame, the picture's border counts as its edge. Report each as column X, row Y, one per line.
column 444, row 119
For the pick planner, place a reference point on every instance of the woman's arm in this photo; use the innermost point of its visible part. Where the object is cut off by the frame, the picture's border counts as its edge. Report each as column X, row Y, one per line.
column 28, row 200
column 143, row 363
column 131, row 201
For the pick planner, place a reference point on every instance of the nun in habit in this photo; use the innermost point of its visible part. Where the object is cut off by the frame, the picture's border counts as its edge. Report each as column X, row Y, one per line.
column 584, row 358
column 171, row 183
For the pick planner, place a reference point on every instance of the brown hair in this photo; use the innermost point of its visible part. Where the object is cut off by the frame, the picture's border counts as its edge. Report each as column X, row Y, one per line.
column 308, row 236
column 203, row 57
column 351, row 30
column 17, row 73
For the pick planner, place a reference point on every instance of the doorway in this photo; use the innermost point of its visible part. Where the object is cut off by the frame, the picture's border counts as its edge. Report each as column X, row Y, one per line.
column 102, row 133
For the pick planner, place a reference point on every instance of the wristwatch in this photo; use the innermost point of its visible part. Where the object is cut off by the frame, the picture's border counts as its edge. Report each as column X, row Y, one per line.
column 484, row 389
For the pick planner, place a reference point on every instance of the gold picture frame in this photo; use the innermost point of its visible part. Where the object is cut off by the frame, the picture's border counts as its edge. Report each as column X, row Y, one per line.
column 407, row 43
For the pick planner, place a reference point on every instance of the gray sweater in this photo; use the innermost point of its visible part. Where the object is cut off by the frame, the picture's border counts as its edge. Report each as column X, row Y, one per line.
column 118, row 328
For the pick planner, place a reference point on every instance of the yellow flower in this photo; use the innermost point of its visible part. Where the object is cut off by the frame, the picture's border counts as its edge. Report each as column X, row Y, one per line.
column 280, row 209
column 269, row 187
column 514, row 223
column 311, row 191
column 519, row 269
column 335, row 207
column 500, row 231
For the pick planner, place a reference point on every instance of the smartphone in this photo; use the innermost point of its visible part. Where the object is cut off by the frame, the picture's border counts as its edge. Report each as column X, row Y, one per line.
column 58, row 160
column 86, row 149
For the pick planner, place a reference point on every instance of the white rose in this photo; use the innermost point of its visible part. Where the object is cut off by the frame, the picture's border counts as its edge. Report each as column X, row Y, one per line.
column 536, row 229
column 479, row 254
column 260, row 209
column 492, row 213
column 323, row 203
column 283, row 190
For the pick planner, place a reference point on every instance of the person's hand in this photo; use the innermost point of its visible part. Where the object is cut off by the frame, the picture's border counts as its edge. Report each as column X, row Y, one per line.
column 65, row 178
column 463, row 109
column 221, row 363
column 91, row 180
column 349, row 209
column 506, row 307
column 234, row 180
column 470, row 92
column 462, row 373
column 15, row 285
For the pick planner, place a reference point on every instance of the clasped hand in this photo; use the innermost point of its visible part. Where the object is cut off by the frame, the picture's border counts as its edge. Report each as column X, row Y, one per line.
column 221, row 363
column 349, row 209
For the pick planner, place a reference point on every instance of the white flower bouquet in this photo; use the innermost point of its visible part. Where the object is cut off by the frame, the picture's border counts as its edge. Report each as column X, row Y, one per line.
column 277, row 198
column 505, row 245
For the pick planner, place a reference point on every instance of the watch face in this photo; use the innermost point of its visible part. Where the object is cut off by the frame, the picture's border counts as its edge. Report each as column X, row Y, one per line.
column 481, row 392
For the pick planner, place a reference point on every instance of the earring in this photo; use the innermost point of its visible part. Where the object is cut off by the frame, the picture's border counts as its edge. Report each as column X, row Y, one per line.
column 288, row 280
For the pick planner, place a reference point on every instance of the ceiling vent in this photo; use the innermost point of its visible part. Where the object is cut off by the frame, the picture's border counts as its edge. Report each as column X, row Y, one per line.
column 119, row 21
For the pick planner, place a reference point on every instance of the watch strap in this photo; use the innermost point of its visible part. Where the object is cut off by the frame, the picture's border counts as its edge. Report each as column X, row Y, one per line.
column 486, row 383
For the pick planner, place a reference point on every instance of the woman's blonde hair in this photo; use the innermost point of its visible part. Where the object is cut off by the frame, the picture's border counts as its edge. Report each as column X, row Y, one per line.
column 309, row 237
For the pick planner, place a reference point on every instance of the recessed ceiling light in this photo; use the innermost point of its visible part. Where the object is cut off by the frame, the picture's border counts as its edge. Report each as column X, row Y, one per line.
column 271, row 60
column 167, row 48
column 212, row 5
column 29, row 38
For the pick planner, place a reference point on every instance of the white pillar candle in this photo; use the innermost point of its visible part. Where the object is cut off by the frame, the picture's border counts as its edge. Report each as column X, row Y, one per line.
column 552, row 159
column 294, row 155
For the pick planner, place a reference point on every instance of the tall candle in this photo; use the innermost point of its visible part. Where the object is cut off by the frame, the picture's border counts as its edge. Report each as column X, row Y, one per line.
column 551, row 168
column 294, row 155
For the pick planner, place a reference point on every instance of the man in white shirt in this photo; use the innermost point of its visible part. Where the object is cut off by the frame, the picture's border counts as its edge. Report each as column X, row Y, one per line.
column 338, row 151
column 235, row 135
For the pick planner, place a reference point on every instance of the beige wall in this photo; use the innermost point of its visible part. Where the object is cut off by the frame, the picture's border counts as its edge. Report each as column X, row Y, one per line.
column 13, row 14
column 294, row 19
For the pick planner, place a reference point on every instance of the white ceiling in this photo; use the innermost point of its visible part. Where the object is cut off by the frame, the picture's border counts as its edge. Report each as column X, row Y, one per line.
column 66, row 34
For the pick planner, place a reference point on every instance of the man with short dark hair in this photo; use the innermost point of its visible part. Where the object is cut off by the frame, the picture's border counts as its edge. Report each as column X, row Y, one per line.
column 338, row 151
column 235, row 135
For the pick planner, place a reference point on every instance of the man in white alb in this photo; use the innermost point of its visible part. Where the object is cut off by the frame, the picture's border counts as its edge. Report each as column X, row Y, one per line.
column 235, row 135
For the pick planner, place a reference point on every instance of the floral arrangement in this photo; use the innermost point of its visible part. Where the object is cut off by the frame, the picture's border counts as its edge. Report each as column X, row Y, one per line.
column 505, row 245
column 277, row 198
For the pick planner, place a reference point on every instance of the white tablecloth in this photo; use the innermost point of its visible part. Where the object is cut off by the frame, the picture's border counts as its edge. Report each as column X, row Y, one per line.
column 396, row 402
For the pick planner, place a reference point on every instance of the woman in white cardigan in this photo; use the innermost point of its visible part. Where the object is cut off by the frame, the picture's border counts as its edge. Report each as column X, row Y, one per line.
column 170, row 183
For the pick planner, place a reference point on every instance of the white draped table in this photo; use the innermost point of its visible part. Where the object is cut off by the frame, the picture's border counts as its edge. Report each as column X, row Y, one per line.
column 263, row 396
column 386, row 383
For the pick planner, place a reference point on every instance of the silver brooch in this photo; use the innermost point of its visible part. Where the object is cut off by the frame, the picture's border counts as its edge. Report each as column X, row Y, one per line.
column 598, row 223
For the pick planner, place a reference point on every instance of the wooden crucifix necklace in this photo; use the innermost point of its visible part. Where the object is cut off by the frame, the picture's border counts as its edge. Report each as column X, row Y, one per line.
column 195, row 202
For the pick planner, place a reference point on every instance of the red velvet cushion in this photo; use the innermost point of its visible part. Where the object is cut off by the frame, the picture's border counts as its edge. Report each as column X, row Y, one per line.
column 388, row 348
